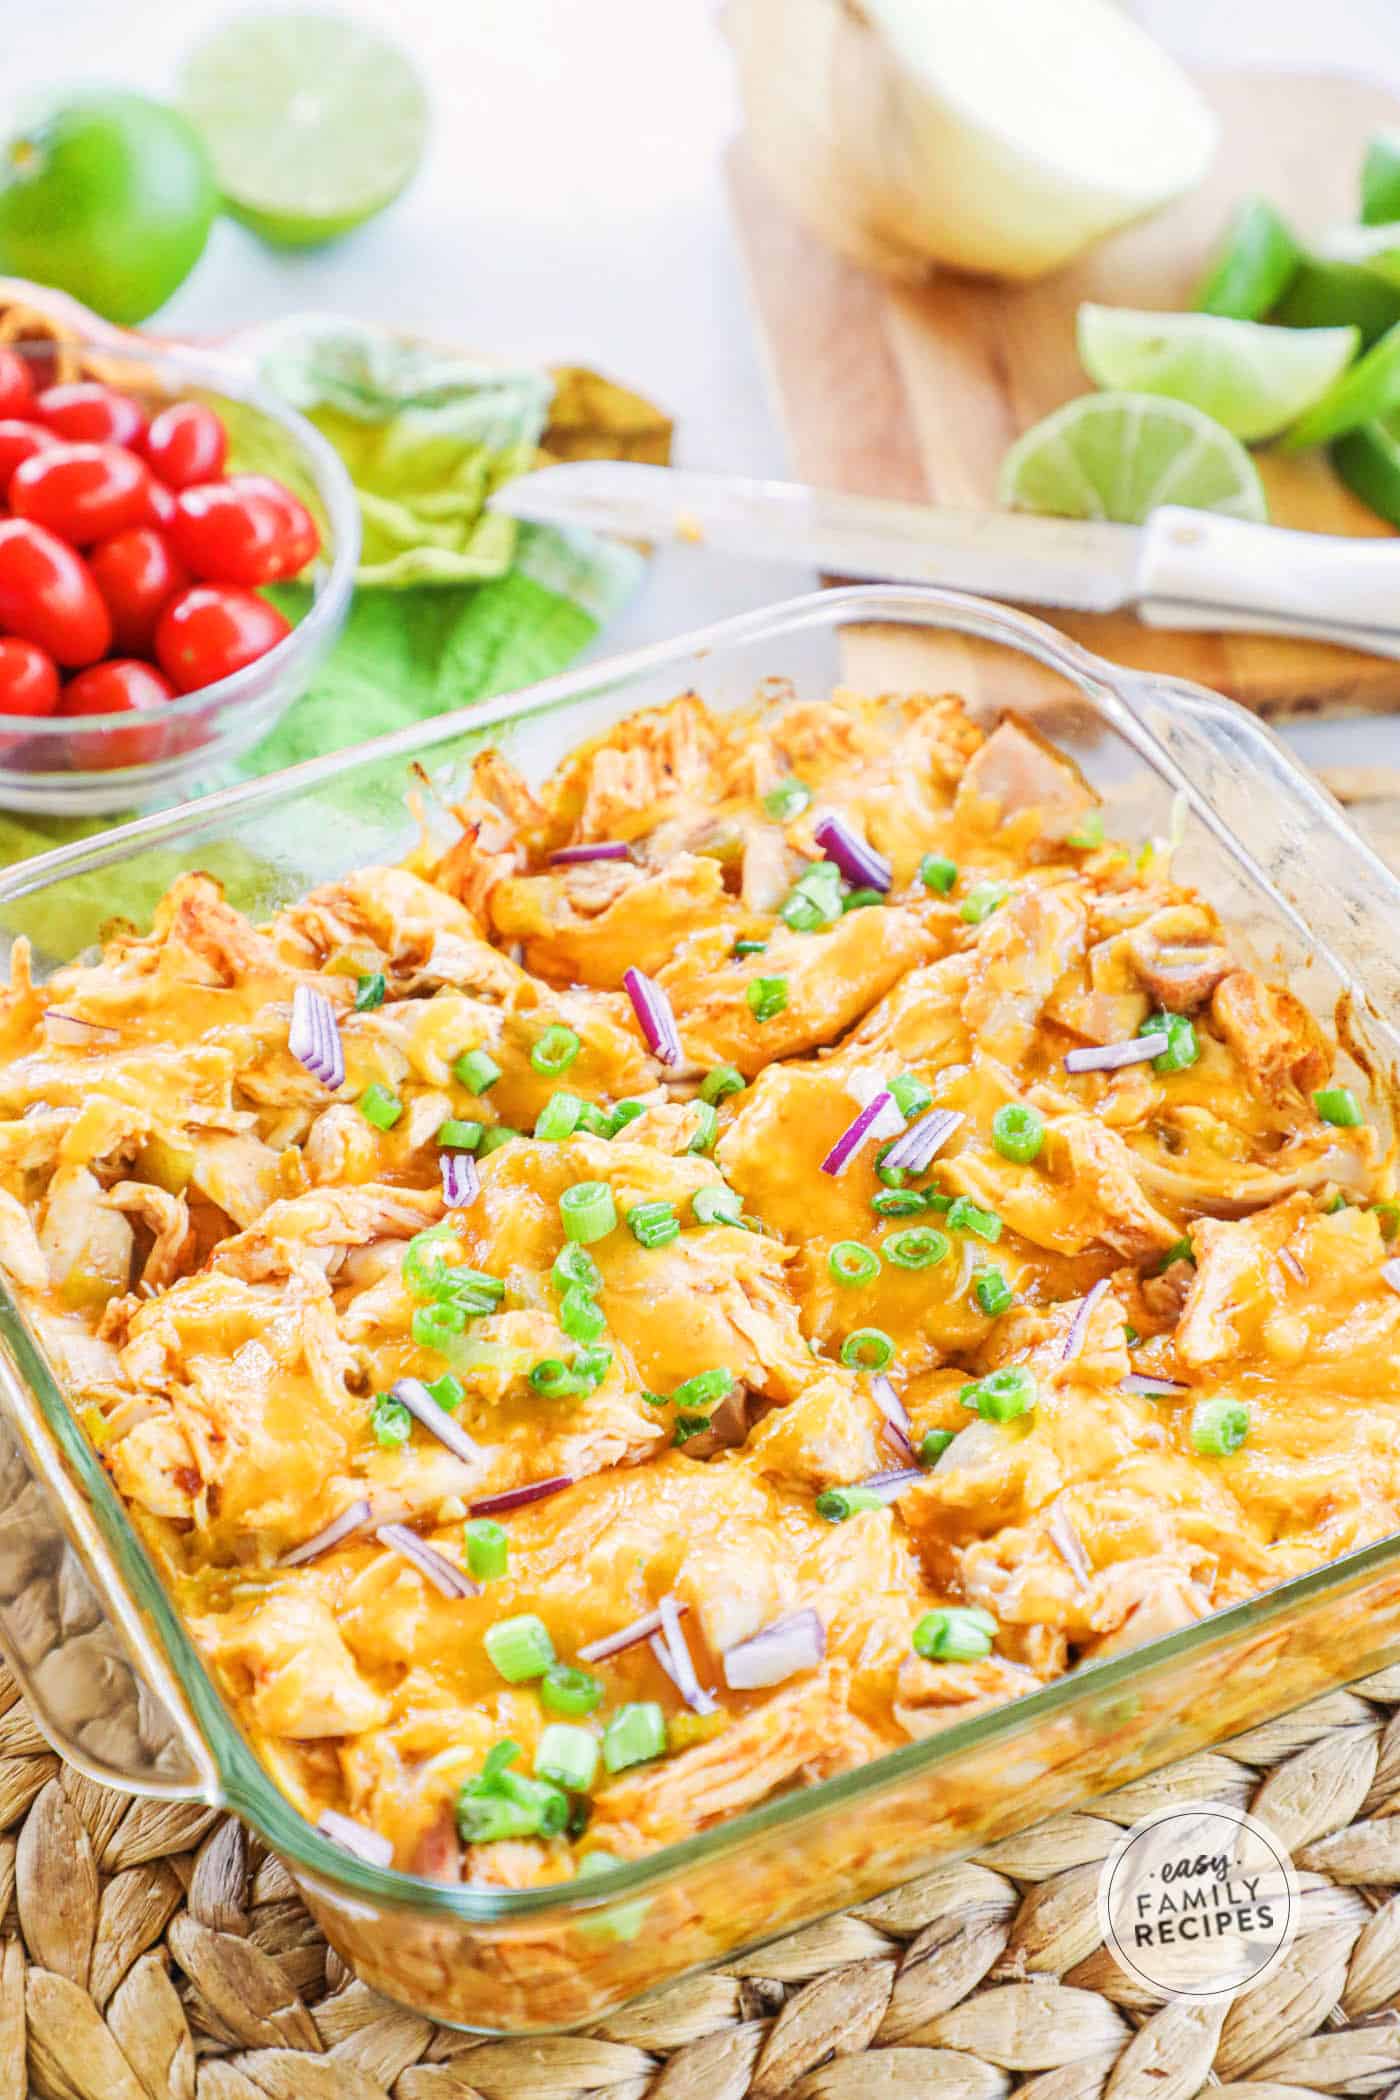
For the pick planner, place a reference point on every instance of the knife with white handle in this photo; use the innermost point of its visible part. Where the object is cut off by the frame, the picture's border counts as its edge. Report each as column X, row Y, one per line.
column 1183, row 568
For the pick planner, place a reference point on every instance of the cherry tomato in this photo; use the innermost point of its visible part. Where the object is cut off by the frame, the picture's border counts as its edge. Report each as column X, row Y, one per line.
column 186, row 443
column 20, row 441
column 82, row 492
column 28, row 678
column 138, row 573
column 121, row 686
column 303, row 540
column 47, row 595
column 209, row 632
column 160, row 505
column 16, row 384
column 227, row 534
column 90, row 414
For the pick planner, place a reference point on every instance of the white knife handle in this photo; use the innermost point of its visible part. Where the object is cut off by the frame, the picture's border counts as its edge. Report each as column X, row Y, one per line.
column 1201, row 570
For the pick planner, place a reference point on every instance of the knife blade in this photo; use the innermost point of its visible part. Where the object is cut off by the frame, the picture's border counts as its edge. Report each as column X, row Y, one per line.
column 1182, row 568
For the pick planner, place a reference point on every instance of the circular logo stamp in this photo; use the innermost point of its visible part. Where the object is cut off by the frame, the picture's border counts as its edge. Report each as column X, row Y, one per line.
column 1198, row 1900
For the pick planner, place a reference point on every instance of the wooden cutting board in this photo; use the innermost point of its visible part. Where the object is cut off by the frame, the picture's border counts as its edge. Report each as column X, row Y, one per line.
column 888, row 390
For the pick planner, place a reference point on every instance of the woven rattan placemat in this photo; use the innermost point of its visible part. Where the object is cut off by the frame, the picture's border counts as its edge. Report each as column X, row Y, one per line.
column 152, row 1951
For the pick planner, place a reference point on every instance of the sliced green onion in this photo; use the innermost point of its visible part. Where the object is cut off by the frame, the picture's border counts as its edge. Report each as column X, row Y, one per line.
column 837, row 1504
column 1334, row 1204
column 558, row 1119
column 587, row 1211
column 861, row 900
column 568, row 1756
column 555, row 1051
column 868, row 1349
column 1130, row 1334
column 896, row 1203
column 918, row 1247
column 623, row 1113
column 425, row 1259
column 458, row 1136
column 786, row 800
column 369, row 991
column 933, row 1444
column 956, row 1633
column 1018, row 1132
column 767, row 997
column 591, row 1366
column 1002, row 1395
column 575, row 1265
column 685, row 1426
column 471, row 1290
column 722, row 1206
column 597, row 1121
column 581, row 1319
column 552, row 1379
column 477, row 1071
column 982, row 900
column 390, row 1421
column 488, row 1549
column 1089, row 833
column 449, row 1392
column 722, row 1081
column 380, row 1107
column 993, row 1293
column 934, row 1199
column 911, row 1096
column 1183, row 1047
column 743, row 948
column 807, row 910
column 564, row 1689
column 707, row 1129
column 655, row 1399
column 892, row 1177
column 438, row 1325
column 1388, row 1217
column 852, row 1263
column 705, row 1389
column 520, row 1648
column 1180, row 1250
column 1338, row 1105
column 653, row 1224
column 1219, row 1426
column 938, row 873
column 633, row 1735
column 966, row 1216
column 495, row 1136
column 502, row 1804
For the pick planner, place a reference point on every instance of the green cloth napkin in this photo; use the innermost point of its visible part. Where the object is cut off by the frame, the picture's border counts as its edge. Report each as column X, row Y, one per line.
column 452, row 603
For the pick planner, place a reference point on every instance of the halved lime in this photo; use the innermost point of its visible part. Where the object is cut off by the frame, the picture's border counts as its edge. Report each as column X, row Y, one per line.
column 1253, row 266
column 1368, row 461
column 1380, row 180
column 1370, row 390
column 1254, row 380
column 1119, row 456
column 314, row 122
column 1328, row 293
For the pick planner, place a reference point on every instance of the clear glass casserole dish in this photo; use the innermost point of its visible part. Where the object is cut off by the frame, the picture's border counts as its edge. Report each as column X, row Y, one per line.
column 115, row 1678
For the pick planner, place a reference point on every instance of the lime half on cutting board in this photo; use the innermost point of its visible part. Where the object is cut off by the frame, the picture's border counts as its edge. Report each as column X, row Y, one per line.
column 1119, row 456
column 314, row 122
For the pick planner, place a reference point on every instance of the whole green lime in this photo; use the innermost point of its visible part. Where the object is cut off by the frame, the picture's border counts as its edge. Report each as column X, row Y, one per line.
column 109, row 196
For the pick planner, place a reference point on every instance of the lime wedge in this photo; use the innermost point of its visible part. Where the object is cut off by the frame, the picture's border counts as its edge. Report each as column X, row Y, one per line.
column 1119, row 456
column 314, row 123
column 1380, row 180
column 1253, row 266
column 1334, row 294
column 1368, row 461
column 1370, row 390
column 1254, row 380
column 1373, row 248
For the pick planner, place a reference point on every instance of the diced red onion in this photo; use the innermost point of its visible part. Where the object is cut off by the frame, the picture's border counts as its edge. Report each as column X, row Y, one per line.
column 892, row 1481
column 1107, row 1057
column 414, row 1395
column 777, row 1652
column 916, row 1148
column 1390, row 1271
column 654, row 1016
column 899, row 1442
column 626, row 1637
column 1079, row 1325
column 351, row 1519
column 369, row 1845
column 1288, row 1260
column 516, row 1498
column 461, row 1182
column 684, row 1678
column 575, row 856
column 60, row 1027
column 896, row 1424
column 1070, row 1545
column 444, row 1575
column 314, row 1037
column 850, row 1138
column 1153, row 1388
column 853, row 855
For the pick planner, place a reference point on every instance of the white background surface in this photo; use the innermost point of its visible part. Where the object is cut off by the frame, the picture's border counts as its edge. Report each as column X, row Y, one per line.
column 572, row 207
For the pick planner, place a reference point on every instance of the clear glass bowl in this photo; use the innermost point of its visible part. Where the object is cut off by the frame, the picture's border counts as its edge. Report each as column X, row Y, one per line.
column 49, row 766
column 115, row 1678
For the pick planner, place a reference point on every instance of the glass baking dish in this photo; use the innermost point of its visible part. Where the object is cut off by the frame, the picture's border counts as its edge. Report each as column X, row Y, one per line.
column 115, row 1679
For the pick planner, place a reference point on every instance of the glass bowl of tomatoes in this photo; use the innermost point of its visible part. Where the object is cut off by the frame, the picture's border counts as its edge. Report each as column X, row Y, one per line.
column 177, row 552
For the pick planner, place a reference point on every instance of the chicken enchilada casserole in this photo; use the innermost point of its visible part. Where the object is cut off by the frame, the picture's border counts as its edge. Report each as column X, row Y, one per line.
column 777, row 1239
